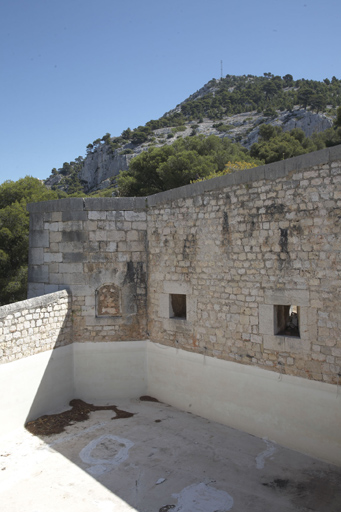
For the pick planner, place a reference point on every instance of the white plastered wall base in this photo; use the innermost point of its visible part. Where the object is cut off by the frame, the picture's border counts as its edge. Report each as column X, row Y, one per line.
column 105, row 371
column 297, row 413
column 35, row 385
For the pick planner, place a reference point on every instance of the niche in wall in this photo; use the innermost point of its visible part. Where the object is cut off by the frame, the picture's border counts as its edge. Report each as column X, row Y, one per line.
column 287, row 320
column 108, row 301
column 177, row 306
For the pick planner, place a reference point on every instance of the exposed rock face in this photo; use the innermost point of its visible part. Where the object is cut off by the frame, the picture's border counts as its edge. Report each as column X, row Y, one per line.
column 102, row 165
column 308, row 121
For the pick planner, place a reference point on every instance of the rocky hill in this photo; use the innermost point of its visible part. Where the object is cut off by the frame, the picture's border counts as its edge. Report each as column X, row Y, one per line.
column 233, row 107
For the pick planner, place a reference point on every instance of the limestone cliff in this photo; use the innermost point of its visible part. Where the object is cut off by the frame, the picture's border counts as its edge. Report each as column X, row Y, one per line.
column 101, row 166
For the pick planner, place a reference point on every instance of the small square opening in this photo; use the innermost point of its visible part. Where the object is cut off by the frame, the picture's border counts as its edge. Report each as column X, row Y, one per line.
column 177, row 306
column 287, row 320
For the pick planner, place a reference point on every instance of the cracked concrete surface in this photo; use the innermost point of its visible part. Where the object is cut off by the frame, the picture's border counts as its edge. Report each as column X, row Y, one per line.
column 158, row 460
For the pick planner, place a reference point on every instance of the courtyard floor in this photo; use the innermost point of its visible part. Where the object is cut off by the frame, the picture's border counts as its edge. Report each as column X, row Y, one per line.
column 159, row 459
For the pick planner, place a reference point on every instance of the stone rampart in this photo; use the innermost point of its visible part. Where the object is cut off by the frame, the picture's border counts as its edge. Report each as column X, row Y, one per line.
column 35, row 325
column 245, row 267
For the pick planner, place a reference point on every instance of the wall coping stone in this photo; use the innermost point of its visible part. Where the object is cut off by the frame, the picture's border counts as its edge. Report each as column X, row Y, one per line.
column 270, row 172
column 34, row 303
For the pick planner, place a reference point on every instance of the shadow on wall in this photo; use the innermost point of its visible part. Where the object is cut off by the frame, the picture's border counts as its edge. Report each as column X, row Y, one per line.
column 52, row 370
column 56, row 384
column 37, row 369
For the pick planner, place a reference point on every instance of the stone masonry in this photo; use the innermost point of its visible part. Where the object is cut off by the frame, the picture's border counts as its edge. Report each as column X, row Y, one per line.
column 236, row 252
column 35, row 325
column 97, row 249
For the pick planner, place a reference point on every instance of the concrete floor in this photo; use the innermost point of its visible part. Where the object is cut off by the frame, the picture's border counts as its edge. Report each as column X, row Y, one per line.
column 158, row 460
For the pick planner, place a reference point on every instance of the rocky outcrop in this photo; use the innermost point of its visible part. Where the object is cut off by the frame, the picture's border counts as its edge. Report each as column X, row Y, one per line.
column 306, row 120
column 102, row 165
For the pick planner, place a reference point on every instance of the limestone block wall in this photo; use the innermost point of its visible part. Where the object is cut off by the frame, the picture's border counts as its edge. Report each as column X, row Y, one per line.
column 240, row 250
column 95, row 248
column 212, row 268
column 35, row 325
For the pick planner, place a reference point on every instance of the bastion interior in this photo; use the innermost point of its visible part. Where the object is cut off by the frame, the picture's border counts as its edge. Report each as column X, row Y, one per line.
column 221, row 298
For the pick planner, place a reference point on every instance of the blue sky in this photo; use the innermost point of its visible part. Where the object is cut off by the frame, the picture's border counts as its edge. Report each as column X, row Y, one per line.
column 73, row 70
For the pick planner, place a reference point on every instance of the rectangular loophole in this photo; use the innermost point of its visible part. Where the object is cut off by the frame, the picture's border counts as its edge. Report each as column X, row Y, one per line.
column 177, row 306
column 287, row 320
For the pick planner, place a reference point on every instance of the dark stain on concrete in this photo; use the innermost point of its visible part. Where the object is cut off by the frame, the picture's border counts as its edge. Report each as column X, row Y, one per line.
column 319, row 492
column 146, row 398
column 48, row 425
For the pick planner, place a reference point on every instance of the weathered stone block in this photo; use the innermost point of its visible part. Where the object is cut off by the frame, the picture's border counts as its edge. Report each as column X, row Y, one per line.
column 74, row 215
column 74, row 236
column 36, row 222
column 135, row 216
column 73, row 257
column 36, row 256
column 71, row 268
column 52, row 257
column 38, row 273
column 38, row 238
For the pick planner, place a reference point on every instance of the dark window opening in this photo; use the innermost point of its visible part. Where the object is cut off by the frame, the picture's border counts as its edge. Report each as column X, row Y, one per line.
column 178, row 306
column 287, row 321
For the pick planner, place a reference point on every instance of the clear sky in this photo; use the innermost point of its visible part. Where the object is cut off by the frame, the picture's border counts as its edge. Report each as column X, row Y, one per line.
column 73, row 70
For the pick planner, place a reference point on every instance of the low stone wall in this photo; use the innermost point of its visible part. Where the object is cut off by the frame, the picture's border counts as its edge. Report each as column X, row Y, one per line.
column 35, row 325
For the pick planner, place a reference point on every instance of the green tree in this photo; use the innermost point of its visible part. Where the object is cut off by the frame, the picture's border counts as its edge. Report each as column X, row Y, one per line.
column 318, row 102
column 126, row 134
column 183, row 167
column 191, row 158
column 143, row 178
column 338, row 118
column 281, row 145
column 14, row 230
column 106, row 137
column 288, row 79
column 305, row 95
column 268, row 131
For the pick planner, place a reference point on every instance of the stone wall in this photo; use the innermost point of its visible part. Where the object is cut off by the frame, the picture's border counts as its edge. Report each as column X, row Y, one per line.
column 260, row 240
column 35, row 325
column 96, row 248
column 223, row 262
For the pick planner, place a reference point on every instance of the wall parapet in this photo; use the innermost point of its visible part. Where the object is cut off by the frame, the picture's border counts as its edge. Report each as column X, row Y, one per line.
column 270, row 172
column 88, row 204
column 35, row 325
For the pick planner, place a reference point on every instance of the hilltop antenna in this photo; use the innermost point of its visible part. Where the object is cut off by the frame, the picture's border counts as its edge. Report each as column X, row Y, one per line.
column 221, row 69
